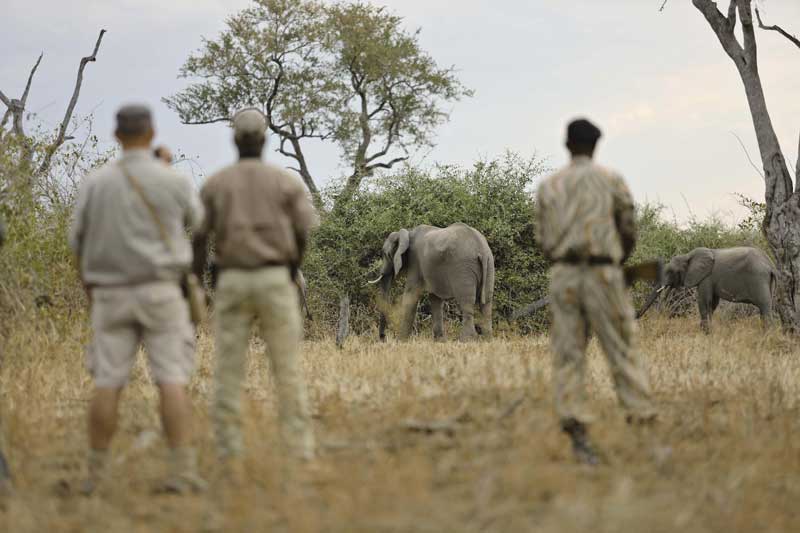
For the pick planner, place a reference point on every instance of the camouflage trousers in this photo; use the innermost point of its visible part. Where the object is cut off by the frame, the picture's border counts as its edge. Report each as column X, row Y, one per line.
column 266, row 296
column 586, row 299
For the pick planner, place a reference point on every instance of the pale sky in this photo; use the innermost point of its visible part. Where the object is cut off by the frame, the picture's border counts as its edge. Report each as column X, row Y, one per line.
column 659, row 84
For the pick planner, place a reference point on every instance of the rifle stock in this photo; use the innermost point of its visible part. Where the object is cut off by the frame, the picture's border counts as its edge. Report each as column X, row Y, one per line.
column 652, row 271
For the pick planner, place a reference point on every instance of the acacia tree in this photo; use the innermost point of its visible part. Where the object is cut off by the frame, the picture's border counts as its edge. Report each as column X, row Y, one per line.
column 782, row 199
column 347, row 73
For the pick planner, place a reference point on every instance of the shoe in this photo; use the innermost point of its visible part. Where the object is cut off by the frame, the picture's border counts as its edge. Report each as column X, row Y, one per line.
column 183, row 477
column 581, row 445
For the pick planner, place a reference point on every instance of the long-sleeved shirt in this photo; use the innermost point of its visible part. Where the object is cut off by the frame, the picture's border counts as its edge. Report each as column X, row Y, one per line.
column 113, row 232
column 585, row 210
column 257, row 213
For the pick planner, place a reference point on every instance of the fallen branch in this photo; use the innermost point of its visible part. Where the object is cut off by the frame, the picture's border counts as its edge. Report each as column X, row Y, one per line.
column 447, row 425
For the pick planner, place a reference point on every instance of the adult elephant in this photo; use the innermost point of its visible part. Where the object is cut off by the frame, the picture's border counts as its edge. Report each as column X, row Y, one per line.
column 452, row 262
column 740, row 274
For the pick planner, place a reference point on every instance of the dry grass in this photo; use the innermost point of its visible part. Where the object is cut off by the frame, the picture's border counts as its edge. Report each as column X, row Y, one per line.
column 724, row 456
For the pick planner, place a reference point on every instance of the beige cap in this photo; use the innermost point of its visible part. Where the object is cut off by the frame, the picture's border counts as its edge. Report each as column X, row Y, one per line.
column 249, row 121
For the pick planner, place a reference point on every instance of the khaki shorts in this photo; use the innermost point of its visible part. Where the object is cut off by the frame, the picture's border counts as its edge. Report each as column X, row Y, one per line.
column 152, row 314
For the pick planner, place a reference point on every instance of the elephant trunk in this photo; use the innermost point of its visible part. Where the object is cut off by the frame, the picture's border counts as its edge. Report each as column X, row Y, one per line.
column 650, row 301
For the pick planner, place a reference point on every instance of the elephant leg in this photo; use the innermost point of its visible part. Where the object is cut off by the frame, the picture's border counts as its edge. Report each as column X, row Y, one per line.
column 486, row 320
column 437, row 315
column 409, row 312
column 705, row 297
column 765, row 310
column 467, row 320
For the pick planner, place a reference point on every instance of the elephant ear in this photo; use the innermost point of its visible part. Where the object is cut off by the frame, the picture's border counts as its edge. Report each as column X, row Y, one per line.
column 402, row 246
column 701, row 261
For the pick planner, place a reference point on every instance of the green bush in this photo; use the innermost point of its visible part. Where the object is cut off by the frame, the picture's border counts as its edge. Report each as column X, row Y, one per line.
column 495, row 197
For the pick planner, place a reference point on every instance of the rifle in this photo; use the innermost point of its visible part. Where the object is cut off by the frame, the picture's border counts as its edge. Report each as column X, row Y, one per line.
column 652, row 271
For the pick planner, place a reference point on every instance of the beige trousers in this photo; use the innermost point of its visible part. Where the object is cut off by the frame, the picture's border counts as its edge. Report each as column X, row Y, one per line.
column 266, row 296
column 594, row 298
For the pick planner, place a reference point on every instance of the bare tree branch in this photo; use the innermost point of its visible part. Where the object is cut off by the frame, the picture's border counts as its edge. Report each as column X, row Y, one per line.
column 746, row 153
column 778, row 29
column 30, row 79
column 388, row 164
column 797, row 166
column 748, row 31
column 723, row 26
column 62, row 130
column 209, row 121
column 663, row 6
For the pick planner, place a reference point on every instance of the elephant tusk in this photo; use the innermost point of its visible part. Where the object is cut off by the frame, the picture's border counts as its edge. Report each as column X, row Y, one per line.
column 661, row 289
column 373, row 282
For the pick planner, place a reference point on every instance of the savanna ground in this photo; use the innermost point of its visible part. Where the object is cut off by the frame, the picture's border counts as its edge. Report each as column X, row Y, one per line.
column 432, row 437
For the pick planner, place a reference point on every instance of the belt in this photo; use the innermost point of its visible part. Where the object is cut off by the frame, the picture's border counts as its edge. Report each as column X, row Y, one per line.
column 259, row 266
column 593, row 260
column 131, row 284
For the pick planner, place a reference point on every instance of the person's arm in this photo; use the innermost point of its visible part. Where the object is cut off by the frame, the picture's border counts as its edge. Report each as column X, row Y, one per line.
column 201, row 233
column 624, row 217
column 77, row 230
column 541, row 228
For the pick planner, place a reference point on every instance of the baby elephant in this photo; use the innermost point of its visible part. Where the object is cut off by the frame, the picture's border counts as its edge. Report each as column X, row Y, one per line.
column 452, row 262
column 740, row 274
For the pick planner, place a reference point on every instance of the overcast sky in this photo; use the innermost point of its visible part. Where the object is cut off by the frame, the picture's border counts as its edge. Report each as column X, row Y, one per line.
column 659, row 84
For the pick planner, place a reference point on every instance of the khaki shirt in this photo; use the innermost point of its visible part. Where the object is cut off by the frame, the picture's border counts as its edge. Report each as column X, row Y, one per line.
column 583, row 211
column 113, row 233
column 256, row 211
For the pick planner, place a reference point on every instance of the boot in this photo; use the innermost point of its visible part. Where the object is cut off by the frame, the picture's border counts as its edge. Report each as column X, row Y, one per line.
column 581, row 445
column 97, row 462
column 5, row 478
column 183, row 477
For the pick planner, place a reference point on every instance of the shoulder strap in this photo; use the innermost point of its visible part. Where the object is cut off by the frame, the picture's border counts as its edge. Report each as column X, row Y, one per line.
column 137, row 186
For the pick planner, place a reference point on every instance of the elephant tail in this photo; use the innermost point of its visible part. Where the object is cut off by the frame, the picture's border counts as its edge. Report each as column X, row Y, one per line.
column 487, row 278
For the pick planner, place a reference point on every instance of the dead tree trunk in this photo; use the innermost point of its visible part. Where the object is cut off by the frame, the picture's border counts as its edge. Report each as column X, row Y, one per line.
column 782, row 221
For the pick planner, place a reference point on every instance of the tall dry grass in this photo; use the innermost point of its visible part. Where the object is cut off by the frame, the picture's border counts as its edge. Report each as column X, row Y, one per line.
column 431, row 437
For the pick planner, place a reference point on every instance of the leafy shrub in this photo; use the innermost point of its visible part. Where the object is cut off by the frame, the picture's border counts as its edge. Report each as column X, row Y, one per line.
column 495, row 197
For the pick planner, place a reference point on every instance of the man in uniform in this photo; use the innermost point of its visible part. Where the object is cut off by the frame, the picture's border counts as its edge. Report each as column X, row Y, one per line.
column 586, row 229
column 259, row 215
column 128, row 233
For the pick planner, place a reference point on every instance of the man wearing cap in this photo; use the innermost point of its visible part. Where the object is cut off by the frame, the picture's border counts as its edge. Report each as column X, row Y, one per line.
column 128, row 233
column 585, row 227
column 259, row 215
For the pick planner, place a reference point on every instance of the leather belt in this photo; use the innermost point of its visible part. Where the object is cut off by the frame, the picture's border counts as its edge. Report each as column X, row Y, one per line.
column 268, row 264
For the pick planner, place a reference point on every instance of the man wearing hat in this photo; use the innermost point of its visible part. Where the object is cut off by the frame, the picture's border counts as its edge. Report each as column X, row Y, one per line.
column 585, row 227
column 128, row 233
column 259, row 215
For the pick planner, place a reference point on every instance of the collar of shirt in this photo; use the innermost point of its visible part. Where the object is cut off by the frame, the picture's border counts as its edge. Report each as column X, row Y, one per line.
column 136, row 153
column 580, row 159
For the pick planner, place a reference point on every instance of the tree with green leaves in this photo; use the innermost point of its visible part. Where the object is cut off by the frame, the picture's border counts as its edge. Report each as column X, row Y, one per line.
column 347, row 73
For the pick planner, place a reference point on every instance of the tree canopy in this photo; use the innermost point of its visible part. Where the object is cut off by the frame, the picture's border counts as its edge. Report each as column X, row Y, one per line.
column 347, row 73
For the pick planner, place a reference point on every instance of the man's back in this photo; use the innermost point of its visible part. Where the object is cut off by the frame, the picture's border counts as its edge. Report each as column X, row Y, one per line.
column 114, row 232
column 582, row 211
column 256, row 210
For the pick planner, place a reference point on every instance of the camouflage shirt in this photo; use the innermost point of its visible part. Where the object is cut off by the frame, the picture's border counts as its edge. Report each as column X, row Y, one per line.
column 583, row 211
